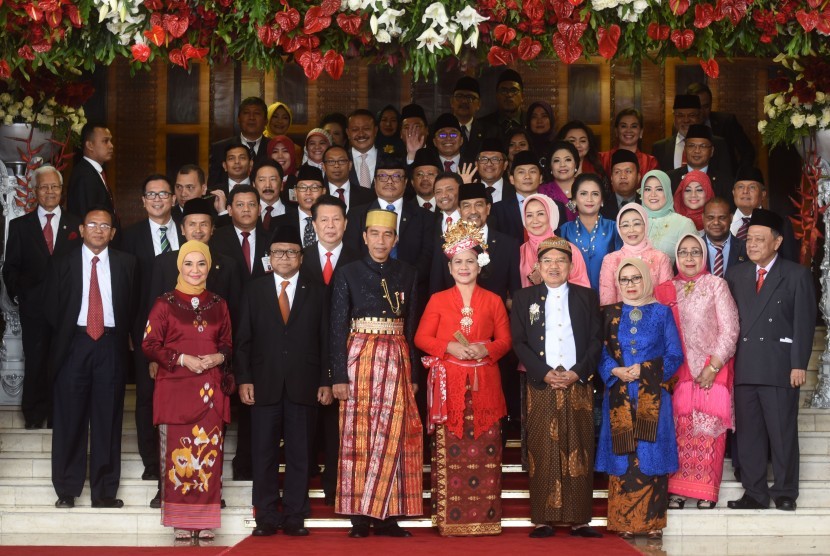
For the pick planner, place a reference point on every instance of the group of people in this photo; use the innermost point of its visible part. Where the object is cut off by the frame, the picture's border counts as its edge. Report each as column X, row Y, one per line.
column 446, row 279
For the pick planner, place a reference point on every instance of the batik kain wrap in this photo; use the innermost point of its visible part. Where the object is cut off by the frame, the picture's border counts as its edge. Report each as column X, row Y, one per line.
column 380, row 472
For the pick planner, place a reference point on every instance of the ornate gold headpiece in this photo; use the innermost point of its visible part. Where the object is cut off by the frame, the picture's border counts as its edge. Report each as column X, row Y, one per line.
column 461, row 236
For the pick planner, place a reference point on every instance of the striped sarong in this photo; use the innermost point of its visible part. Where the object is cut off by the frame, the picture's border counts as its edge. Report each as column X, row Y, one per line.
column 380, row 471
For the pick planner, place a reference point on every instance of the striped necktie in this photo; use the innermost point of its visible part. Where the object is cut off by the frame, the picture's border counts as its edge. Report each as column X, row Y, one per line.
column 165, row 243
column 742, row 231
column 717, row 267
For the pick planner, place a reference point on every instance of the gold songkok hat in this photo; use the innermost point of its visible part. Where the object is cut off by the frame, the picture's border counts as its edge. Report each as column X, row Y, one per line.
column 462, row 236
column 556, row 243
column 380, row 217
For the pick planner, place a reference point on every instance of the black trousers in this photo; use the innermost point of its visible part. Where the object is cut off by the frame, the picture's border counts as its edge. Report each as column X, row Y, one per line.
column 766, row 418
column 37, row 391
column 327, row 440
column 89, row 404
column 146, row 431
column 242, row 459
column 295, row 424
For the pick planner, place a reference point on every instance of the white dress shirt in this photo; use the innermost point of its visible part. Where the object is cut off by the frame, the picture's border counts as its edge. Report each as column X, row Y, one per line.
column 104, row 285
column 456, row 161
column 398, row 209
column 55, row 224
column 251, row 244
column 279, row 209
column 257, row 143
column 371, row 160
column 232, row 184
column 335, row 254
column 290, row 289
column 737, row 221
column 431, row 202
column 347, row 192
column 498, row 186
column 172, row 236
column 560, row 348
column 455, row 215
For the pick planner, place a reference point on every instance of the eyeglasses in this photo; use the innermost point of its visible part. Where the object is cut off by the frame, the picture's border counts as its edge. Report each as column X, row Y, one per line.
column 490, row 159
column 51, row 187
column 631, row 226
column 461, row 97
column 306, row 188
column 685, row 253
column 388, row 177
column 452, row 135
column 421, row 175
column 280, row 253
column 633, row 280
column 338, row 162
column 104, row 227
column 698, row 146
column 152, row 195
column 509, row 92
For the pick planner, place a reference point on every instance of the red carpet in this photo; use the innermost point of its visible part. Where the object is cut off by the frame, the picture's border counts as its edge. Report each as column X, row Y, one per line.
column 427, row 542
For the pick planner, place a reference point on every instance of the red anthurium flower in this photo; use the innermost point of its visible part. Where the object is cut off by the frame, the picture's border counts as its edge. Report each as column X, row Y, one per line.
column 568, row 50
column 504, row 34
column 682, row 39
column 349, row 23
column 533, row 10
column 5, row 70
column 807, row 20
column 177, row 57
column 155, row 35
column 679, row 7
column 288, row 20
column 175, row 25
column 312, row 63
column 823, row 25
column 735, row 10
column 315, row 20
column 330, row 7
column 190, row 52
column 710, row 68
column 35, row 13
column 71, row 11
column 54, row 18
column 529, row 48
column 333, row 62
column 704, row 15
column 499, row 56
column 141, row 52
column 572, row 30
column 607, row 40
column 153, row 5
column 657, row 32
column 26, row 52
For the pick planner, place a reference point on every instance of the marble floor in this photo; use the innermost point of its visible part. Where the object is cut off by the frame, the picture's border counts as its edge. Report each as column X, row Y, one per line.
column 670, row 546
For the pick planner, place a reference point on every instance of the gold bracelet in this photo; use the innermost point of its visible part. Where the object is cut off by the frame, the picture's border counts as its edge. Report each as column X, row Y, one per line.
column 714, row 370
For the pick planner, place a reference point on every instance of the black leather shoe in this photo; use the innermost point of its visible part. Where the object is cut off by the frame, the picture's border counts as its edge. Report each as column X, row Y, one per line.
column 542, row 532
column 65, row 502
column 222, row 504
column 746, row 502
column 108, row 503
column 295, row 530
column 243, row 475
column 155, row 503
column 32, row 425
column 264, row 531
column 150, row 474
column 587, row 532
column 393, row 530
column 328, row 500
column 359, row 531
column 785, row 503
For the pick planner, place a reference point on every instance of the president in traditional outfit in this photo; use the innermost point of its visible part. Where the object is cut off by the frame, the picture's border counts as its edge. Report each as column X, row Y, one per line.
column 373, row 367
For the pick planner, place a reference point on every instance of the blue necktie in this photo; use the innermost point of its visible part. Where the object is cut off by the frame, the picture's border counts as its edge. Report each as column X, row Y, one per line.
column 394, row 253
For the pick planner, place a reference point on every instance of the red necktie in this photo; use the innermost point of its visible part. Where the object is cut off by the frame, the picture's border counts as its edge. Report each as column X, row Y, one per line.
column 742, row 231
column 428, row 205
column 341, row 193
column 266, row 222
column 449, row 221
column 48, row 234
column 285, row 308
column 760, row 281
column 717, row 268
column 95, row 308
column 328, row 270
column 448, row 165
column 246, row 250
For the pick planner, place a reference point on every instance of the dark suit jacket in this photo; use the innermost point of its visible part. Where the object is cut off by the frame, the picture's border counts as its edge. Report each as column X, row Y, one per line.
column 312, row 269
column 741, row 150
column 224, row 279
column 138, row 242
column 501, row 276
column 610, row 207
column 472, row 147
column 86, row 189
column 357, row 195
column 226, row 242
column 290, row 218
column 777, row 324
column 737, row 254
column 663, row 151
column 529, row 338
column 178, row 216
column 27, row 257
column 63, row 293
column 282, row 359
column 217, row 177
column 414, row 243
column 721, row 183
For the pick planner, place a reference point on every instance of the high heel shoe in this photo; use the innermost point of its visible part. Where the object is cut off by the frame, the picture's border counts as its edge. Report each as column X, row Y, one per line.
column 705, row 504
column 676, row 502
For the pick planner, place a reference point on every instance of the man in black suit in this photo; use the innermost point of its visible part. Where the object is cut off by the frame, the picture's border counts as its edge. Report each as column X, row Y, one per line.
column 281, row 365
column 424, row 170
column 88, row 186
column 416, row 226
column 190, row 184
column 251, row 119
column 491, row 163
column 510, row 113
column 625, row 181
column 237, row 163
column 447, row 185
column 90, row 301
column 725, row 250
column 34, row 239
column 465, row 103
column 700, row 151
column 320, row 260
column 362, row 131
column 309, row 188
column 145, row 240
column 726, row 125
column 777, row 307
column 414, row 130
column 338, row 169
column 447, row 141
column 267, row 177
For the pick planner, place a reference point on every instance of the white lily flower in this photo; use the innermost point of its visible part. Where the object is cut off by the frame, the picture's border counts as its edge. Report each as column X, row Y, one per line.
column 383, row 36
column 762, row 125
column 373, row 24
column 437, row 13
column 457, row 42
column 472, row 40
column 430, row 39
column 468, row 17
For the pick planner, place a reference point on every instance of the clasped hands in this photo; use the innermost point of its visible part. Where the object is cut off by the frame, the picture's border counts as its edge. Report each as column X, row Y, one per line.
column 466, row 353
column 627, row 374
column 560, row 380
column 200, row 363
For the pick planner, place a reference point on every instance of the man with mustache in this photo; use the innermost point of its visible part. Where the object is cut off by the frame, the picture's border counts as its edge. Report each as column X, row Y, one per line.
column 267, row 177
column 361, row 132
column 309, row 188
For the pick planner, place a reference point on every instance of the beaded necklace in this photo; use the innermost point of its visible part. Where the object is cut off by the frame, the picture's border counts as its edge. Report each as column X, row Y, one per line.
column 592, row 235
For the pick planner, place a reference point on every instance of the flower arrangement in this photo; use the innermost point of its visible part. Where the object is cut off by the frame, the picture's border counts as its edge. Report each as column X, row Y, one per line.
column 798, row 105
